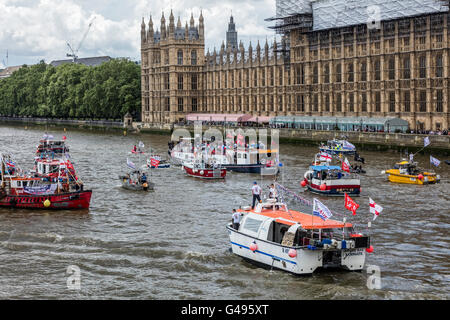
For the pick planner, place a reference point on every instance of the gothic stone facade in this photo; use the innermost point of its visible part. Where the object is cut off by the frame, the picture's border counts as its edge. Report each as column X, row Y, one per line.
column 399, row 70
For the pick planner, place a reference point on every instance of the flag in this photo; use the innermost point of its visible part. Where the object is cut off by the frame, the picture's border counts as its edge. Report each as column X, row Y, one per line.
column 130, row 164
column 141, row 144
column 411, row 157
column 320, row 210
column 346, row 165
column 350, row 204
column 348, row 145
column 426, row 142
column 325, row 156
column 154, row 162
column 375, row 208
column 434, row 161
column 10, row 164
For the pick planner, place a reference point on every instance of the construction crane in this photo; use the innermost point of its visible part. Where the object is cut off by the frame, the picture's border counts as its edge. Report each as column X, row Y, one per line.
column 74, row 53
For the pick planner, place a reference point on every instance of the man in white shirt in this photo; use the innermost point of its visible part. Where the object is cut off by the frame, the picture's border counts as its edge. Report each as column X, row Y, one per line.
column 273, row 192
column 256, row 191
column 236, row 218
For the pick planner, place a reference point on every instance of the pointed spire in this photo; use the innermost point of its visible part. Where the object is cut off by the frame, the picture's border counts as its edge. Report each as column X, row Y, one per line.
column 163, row 27
column 143, row 33
column 171, row 25
column 150, row 33
column 192, row 22
column 201, row 27
column 186, row 32
column 179, row 23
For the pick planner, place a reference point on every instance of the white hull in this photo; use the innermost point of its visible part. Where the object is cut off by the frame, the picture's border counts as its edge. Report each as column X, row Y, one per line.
column 274, row 255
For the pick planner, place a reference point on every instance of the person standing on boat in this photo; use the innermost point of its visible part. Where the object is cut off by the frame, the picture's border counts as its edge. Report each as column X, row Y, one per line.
column 273, row 192
column 236, row 218
column 256, row 191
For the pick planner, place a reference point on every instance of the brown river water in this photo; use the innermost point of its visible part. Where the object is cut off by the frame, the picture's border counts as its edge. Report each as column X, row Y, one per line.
column 172, row 243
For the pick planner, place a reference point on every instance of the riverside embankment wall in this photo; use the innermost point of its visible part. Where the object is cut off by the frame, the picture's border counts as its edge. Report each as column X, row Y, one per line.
column 363, row 140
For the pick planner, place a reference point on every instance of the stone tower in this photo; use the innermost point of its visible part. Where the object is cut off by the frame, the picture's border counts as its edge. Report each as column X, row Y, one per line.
column 232, row 35
column 172, row 65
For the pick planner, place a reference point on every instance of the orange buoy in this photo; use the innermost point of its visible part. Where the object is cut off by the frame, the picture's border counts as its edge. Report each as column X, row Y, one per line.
column 254, row 247
column 292, row 253
column 323, row 187
column 303, row 183
column 369, row 249
column 420, row 176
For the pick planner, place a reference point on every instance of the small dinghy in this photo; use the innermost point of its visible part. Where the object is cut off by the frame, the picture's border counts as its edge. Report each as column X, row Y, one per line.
column 136, row 181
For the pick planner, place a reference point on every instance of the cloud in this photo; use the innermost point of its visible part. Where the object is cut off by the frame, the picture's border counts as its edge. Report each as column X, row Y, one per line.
column 34, row 30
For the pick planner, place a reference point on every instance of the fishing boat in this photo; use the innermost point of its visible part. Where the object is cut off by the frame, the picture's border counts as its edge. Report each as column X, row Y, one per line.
column 200, row 169
column 338, row 147
column 237, row 159
column 408, row 172
column 331, row 180
column 274, row 236
column 61, row 192
column 136, row 181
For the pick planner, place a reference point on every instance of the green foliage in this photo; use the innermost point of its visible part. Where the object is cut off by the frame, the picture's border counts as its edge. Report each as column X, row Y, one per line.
column 107, row 91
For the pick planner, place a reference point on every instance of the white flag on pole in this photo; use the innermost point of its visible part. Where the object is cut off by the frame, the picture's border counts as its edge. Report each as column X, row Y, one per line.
column 141, row 144
column 426, row 141
column 375, row 208
column 130, row 164
column 321, row 210
column 434, row 161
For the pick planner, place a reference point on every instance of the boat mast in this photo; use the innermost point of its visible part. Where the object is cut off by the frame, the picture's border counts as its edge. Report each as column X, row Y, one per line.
column 2, row 172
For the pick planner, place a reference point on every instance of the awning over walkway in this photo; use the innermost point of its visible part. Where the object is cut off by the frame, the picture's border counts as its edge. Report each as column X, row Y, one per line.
column 218, row 117
column 260, row 119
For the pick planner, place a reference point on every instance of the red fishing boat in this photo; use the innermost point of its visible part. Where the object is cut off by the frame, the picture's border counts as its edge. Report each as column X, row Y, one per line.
column 52, row 184
column 204, row 171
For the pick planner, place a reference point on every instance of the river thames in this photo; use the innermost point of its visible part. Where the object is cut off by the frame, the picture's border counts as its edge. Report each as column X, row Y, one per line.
column 172, row 243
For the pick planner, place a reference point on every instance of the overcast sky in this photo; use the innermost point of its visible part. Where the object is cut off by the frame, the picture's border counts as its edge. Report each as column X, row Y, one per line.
column 32, row 30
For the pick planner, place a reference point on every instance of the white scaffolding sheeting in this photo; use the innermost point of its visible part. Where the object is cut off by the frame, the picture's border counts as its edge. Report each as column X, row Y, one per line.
column 329, row 14
column 286, row 8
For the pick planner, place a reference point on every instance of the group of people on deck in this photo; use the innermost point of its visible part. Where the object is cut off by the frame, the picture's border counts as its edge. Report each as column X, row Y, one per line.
column 256, row 192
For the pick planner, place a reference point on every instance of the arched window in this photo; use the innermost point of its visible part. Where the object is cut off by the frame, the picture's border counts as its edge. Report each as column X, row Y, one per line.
column 194, row 57
column 180, row 57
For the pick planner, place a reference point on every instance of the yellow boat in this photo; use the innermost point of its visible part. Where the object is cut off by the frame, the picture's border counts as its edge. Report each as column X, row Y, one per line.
column 410, row 173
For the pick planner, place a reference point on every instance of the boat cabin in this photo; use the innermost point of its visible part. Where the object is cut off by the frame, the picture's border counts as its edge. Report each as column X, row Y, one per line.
column 274, row 222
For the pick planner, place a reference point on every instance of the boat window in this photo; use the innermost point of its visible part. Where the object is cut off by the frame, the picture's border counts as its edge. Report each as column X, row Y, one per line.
column 252, row 224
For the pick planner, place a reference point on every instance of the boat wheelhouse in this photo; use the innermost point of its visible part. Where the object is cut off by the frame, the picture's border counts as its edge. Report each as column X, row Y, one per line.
column 48, row 147
column 273, row 236
column 338, row 147
column 331, row 180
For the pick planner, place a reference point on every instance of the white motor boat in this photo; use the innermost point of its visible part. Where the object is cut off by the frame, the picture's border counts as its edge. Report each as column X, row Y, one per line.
column 276, row 237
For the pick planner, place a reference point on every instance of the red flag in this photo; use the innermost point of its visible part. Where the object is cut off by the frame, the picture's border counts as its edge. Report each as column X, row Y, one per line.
column 346, row 165
column 350, row 204
column 154, row 162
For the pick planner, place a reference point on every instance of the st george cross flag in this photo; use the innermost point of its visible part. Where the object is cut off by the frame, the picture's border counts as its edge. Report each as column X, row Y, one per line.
column 325, row 156
column 434, row 161
column 346, row 165
column 130, row 164
column 321, row 210
column 374, row 208
column 350, row 204
column 426, row 142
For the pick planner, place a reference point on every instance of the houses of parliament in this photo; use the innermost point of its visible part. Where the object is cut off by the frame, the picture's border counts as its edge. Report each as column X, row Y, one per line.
column 399, row 67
